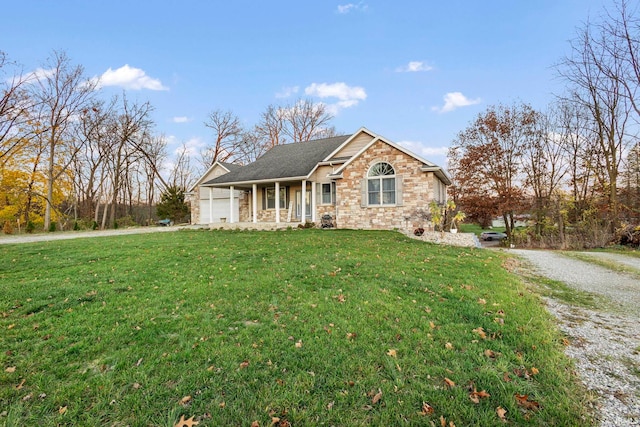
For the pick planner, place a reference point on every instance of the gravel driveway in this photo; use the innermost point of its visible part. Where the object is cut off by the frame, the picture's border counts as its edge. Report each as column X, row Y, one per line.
column 604, row 344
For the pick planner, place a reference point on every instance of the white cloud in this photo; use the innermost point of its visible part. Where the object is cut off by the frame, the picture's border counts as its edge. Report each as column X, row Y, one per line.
column 348, row 96
column 39, row 75
column 192, row 146
column 181, row 119
column 287, row 91
column 130, row 78
column 346, row 8
column 339, row 90
column 413, row 67
column 424, row 151
column 454, row 100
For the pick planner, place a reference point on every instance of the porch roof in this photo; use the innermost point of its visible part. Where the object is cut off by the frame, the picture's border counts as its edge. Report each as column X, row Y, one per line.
column 282, row 162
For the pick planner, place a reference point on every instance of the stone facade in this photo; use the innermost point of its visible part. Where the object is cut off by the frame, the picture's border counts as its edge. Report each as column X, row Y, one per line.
column 417, row 191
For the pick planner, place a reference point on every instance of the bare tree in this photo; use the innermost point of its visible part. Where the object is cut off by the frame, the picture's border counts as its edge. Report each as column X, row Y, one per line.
column 620, row 44
column 14, row 108
column 95, row 130
column 270, row 129
column 305, row 121
column 595, row 77
column 131, row 128
column 181, row 174
column 227, row 135
column 544, row 164
column 61, row 93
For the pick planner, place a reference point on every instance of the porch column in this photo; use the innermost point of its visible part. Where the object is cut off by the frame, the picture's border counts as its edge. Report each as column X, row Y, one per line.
column 231, row 204
column 277, row 202
column 303, row 214
column 254, row 202
column 210, row 205
column 313, row 201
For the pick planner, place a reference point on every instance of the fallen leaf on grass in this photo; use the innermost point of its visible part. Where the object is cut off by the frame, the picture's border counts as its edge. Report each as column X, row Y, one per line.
column 482, row 301
column 244, row 364
column 185, row 400
column 186, row 423
column 19, row 386
column 255, row 424
column 443, row 422
column 448, row 346
column 481, row 333
column 62, row 410
column 392, row 353
column 377, row 397
column 10, row 369
column 523, row 400
column 490, row 354
column 351, row 335
column 449, row 383
column 475, row 396
column 501, row 412
column 299, row 344
column 426, row 409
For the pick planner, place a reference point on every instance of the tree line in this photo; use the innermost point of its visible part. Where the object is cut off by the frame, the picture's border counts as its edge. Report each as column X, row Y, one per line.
column 71, row 157
column 572, row 170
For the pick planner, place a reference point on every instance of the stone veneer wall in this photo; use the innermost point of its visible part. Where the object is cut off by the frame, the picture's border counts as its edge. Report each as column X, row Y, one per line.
column 417, row 191
column 194, row 202
column 244, row 206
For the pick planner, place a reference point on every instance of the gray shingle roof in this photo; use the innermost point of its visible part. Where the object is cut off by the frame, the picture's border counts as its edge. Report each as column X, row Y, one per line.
column 283, row 161
column 230, row 166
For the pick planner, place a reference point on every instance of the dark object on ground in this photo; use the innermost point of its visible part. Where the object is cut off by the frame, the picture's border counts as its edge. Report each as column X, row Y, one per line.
column 326, row 221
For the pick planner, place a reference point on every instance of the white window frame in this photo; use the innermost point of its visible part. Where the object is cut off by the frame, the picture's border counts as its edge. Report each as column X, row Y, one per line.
column 380, row 176
column 331, row 193
column 283, row 197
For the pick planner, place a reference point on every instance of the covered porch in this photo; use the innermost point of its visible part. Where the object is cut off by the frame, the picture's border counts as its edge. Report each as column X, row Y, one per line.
column 276, row 204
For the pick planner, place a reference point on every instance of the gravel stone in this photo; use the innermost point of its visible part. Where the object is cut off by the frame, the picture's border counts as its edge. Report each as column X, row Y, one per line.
column 604, row 345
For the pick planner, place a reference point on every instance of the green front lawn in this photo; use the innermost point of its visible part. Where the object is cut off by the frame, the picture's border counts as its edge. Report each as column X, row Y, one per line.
column 299, row 327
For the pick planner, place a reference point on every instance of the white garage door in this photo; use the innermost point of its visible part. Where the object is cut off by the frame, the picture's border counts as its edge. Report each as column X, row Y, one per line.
column 219, row 207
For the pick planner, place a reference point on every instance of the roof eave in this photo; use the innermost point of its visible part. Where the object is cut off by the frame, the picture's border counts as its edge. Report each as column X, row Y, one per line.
column 439, row 172
column 256, row 181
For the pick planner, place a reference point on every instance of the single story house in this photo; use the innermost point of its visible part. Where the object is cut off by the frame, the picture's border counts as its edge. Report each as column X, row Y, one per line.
column 363, row 181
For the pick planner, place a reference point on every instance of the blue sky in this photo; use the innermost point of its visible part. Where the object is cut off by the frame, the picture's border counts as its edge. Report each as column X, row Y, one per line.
column 416, row 72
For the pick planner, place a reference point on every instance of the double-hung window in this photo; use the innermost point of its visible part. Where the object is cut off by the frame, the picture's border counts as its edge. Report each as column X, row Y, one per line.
column 381, row 185
column 270, row 197
column 327, row 193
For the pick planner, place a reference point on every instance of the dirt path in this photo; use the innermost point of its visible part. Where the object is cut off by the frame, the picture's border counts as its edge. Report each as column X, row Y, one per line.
column 604, row 344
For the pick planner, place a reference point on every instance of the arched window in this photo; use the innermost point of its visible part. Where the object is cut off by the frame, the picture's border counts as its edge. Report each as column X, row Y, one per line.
column 381, row 184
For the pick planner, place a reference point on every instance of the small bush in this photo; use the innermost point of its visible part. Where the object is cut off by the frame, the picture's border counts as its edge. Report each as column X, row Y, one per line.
column 94, row 225
column 52, row 227
column 76, row 226
column 30, row 227
column 8, row 228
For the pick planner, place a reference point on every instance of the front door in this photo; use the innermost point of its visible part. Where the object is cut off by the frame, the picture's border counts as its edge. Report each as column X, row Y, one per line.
column 307, row 204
